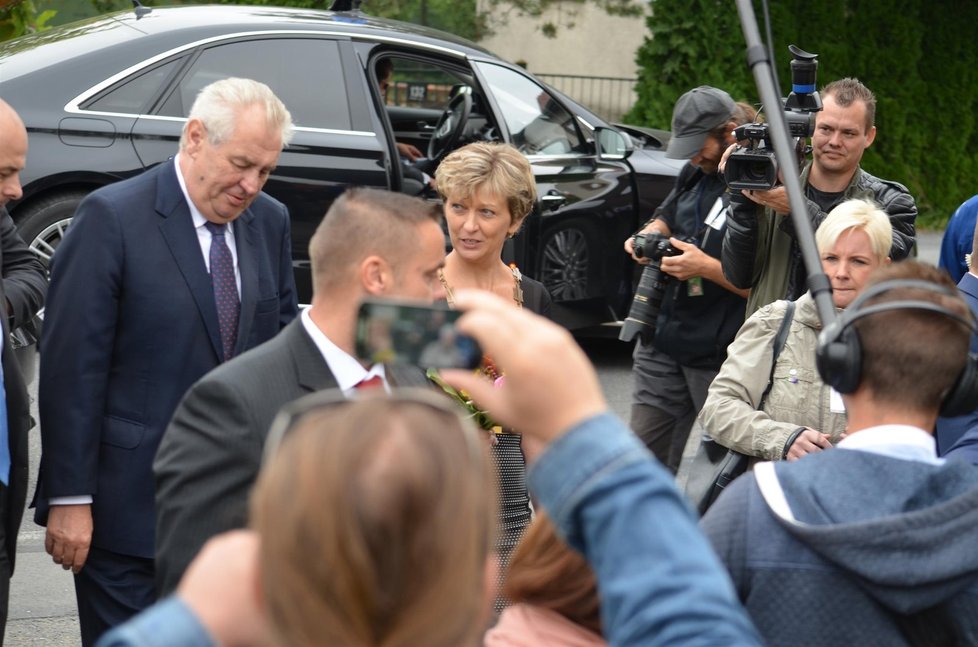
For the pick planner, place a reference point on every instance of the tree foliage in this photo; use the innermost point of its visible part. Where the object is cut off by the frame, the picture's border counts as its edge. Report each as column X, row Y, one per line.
column 464, row 18
column 19, row 18
column 917, row 56
column 501, row 11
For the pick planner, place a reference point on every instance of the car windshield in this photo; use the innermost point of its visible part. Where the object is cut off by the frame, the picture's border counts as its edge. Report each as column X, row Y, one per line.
column 537, row 123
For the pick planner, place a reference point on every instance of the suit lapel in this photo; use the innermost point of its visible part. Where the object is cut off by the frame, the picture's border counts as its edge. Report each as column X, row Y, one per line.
column 178, row 231
column 312, row 372
column 245, row 237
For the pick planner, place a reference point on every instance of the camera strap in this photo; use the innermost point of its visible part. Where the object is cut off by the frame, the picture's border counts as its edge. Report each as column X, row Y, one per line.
column 683, row 185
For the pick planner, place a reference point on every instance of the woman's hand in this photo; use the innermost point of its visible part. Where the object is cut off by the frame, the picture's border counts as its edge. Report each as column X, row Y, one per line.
column 807, row 442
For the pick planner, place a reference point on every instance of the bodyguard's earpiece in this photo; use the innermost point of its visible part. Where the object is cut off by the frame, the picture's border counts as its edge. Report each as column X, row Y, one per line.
column 839, row 353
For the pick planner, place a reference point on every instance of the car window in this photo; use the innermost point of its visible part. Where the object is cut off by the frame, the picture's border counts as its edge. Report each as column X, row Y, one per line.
column 537, row 123
column 315, row 92
column 419, row 84
column 132, row 95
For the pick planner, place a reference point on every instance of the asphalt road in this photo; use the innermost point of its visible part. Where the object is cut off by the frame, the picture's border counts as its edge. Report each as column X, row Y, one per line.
column 42, row 599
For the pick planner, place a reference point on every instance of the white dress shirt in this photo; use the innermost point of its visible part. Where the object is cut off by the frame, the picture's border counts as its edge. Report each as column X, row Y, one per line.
column 347, row 370
column 896, row 441
column 203, row 235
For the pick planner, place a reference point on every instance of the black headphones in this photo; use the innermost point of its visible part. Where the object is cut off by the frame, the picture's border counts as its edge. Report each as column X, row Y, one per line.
column 839, row 353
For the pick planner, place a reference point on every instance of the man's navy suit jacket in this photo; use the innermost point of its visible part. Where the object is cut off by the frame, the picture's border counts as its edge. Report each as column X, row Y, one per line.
column 953, row 434
column 130, row 325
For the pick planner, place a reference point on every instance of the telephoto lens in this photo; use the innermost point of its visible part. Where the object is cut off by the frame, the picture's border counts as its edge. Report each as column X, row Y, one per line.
column 651, row 287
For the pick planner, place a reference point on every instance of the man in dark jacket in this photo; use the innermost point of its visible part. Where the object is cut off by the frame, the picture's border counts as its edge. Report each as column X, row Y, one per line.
column 701, row 312
column 873, row 542
column 759, row 248
column 22, row 293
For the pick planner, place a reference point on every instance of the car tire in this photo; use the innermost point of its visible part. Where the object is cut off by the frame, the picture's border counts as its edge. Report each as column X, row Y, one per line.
column 42, row 223
column 565, row 262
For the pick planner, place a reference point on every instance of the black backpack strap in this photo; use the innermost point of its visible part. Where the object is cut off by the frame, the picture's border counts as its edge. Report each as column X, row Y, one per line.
column 779, row 341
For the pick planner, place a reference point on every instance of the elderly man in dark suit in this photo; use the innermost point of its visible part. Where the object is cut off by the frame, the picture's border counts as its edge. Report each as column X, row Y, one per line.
column 160, row 278
column 371, row 243
column 22, row 293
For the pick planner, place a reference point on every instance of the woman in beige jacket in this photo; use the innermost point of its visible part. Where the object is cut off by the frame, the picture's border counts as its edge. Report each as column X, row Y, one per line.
column 801, row 414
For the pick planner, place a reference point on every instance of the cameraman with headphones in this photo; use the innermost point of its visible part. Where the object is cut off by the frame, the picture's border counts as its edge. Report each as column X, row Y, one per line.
column 874, row 541
column 701, row 311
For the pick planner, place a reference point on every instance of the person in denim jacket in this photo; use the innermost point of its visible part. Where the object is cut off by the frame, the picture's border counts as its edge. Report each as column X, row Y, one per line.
column 659, row 582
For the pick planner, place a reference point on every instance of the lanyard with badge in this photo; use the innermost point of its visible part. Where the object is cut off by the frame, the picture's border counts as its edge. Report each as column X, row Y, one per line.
column 715, row 220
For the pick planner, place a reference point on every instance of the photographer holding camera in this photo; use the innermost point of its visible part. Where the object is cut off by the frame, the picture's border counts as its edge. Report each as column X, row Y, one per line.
column 759, row 249
column 684, row 343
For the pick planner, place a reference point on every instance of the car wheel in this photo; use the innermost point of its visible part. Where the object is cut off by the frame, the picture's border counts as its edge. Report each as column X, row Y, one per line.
column 42, row 224
column 565, row 263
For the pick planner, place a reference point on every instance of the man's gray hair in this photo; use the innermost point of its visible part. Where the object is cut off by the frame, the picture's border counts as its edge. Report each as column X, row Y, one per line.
column 218, row 105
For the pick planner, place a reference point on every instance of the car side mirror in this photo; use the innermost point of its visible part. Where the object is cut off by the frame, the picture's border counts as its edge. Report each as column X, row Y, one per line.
column 612, row 144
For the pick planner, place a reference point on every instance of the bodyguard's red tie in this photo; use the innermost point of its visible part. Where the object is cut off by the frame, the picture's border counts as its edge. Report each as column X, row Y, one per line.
column 225, row 288
column 367, row 383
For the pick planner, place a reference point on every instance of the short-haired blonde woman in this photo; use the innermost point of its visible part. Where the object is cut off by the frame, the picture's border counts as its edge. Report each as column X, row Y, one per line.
column 489, row 190
column 800, row 414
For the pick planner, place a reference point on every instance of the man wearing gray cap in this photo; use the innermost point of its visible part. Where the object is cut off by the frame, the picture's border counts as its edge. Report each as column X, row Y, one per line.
column 701, row 311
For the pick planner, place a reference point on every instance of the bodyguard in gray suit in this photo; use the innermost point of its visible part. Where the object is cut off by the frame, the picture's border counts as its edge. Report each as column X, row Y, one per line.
column 370, row 243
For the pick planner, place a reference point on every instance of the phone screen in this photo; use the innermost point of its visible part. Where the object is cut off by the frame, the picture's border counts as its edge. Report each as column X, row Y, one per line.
column 399, row 332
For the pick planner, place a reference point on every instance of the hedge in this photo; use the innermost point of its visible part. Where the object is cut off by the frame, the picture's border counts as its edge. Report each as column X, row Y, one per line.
column 918, row 57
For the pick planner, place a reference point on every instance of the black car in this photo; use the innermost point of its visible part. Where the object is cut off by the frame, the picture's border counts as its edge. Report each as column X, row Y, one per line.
column 106, row 98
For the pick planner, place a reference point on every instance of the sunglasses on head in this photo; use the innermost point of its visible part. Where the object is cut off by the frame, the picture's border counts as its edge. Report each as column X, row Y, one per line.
column 292, row 414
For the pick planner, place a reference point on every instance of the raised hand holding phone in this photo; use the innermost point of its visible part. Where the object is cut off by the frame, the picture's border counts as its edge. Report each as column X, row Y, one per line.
column 393, row 331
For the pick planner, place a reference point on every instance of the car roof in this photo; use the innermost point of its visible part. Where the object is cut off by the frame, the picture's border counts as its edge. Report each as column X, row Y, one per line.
column 167, row 27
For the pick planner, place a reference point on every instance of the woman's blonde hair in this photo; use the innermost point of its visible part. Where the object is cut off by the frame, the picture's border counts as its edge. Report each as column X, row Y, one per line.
column 498, row 168
column 857, row 214
column 376, row 519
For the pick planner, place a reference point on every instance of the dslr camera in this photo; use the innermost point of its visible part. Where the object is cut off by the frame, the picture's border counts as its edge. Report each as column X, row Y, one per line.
column 754, row 166
column 651, row 286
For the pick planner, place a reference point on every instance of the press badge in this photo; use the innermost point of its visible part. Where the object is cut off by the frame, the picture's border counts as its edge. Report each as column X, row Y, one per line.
column 836, row 405
column 717, row 217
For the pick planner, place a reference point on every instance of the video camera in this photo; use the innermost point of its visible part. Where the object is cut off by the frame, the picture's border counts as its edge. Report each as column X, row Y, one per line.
column 755, row 167
column 651, row 286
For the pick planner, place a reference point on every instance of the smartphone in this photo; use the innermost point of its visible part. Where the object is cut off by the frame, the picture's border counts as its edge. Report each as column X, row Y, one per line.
column 407, row 332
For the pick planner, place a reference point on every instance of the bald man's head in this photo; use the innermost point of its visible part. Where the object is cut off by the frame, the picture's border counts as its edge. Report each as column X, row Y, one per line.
column 13, row 153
